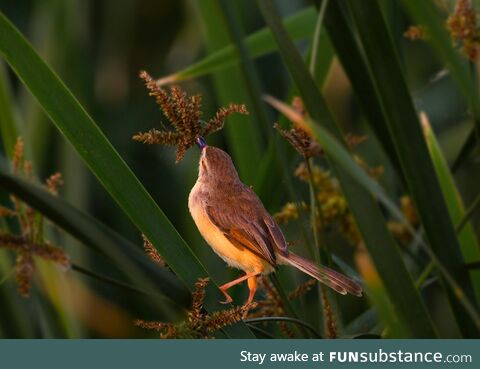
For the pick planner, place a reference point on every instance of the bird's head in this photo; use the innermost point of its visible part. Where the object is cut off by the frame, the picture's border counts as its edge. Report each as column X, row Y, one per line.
column 216, row 165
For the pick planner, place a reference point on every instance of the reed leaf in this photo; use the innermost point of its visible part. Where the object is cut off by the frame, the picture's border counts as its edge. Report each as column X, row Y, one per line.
column 259, row 43
column 8, row 128
column 426, row 14
column 381, row 246
column 104, row 161
column 466, row 236
column 350, row 55
column 244, row 138
column 404, row 127
column 127, row 256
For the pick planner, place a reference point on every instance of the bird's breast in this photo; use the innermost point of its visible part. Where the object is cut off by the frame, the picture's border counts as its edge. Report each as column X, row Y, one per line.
column 234, row 256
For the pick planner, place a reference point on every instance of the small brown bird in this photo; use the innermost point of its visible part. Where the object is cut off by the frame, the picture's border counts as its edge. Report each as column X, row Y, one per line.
column 234, row 222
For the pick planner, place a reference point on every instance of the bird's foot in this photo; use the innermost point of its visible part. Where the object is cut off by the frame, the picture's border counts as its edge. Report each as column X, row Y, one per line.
column 247, row 307
column 228, row 298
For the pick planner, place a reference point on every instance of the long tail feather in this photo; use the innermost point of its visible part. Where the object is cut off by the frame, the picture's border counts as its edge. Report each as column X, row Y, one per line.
column 333, row 279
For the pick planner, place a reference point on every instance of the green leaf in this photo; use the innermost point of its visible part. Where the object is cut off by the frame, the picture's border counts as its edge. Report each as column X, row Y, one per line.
column 404, row 127
column 125, row 255
column 8, row 128
column 14, row 314
column 381, row 246
column 230, row 87
column 467, row 238
column 269, row 169
column 474, row 206
column 365, row 322
column 104, row 161
column 378, row 295
column 258, row 44
column 338, row 153
column 249, row 74
column 465, row 150
column 351, row 58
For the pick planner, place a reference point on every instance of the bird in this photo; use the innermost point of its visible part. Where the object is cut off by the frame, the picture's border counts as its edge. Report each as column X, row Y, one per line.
column 233, row 221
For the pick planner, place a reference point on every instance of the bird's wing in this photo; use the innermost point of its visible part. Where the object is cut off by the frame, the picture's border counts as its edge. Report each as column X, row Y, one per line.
column 276, row 234
column 245, row 222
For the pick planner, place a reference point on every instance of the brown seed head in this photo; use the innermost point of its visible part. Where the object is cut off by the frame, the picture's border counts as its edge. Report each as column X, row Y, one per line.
column 416, row 33
column 152, row 252
column 17, row 159
column 183, row 112
column 54, row 182
column 300, row 139
column 462, row 25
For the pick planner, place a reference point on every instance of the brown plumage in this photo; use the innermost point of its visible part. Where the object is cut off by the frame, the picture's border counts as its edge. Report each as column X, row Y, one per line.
column 234, row 222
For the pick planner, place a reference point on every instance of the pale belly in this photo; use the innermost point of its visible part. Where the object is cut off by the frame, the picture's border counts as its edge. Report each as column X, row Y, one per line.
column 236, row 257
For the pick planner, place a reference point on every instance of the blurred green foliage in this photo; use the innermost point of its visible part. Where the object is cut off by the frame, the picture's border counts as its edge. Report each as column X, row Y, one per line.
column 97, row 49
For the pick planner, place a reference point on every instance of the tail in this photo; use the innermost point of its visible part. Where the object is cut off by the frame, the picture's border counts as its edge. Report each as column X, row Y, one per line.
column 335, row 280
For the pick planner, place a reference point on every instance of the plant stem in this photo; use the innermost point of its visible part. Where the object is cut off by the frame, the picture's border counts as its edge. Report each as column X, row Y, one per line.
column 263, row 332
column 476, row 118
column 298, row 322
column 316, row 37
column 114, row 282
column 468, row 214
column 286, row 302
column 456, row 290
column 314, row 208
column 424, row 275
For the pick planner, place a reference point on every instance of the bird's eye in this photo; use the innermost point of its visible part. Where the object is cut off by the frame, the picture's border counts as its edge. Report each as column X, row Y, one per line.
column 204, row 166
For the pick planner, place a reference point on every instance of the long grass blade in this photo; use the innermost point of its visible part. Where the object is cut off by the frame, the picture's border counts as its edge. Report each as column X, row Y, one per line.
column 244, row 138
column 465, row 150
column 378, row 240
column 113, row 282
column 299, row 322
column 103, row 160
column 376, row 292
column 258, row 44
column 249, row 73
column 406, row 132
column 469, row 213
column 339, row 153
column 96, row 235
column 466, row 236
column 8, row 128
column 351, row 58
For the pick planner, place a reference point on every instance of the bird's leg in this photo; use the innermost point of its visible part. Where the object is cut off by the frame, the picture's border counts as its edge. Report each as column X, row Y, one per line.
column 226, row 286
column 252, row 286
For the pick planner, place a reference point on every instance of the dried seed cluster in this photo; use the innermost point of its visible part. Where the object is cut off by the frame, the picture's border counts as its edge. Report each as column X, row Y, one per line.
column 31, row 242
column 152, row 252
column 184, row 114
column 198, row 324
column 416, row 33
column 463, row 27
column 301, row 140
column 334, row 209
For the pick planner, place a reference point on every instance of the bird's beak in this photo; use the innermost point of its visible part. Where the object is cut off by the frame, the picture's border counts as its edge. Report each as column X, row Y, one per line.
column 201, row 142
